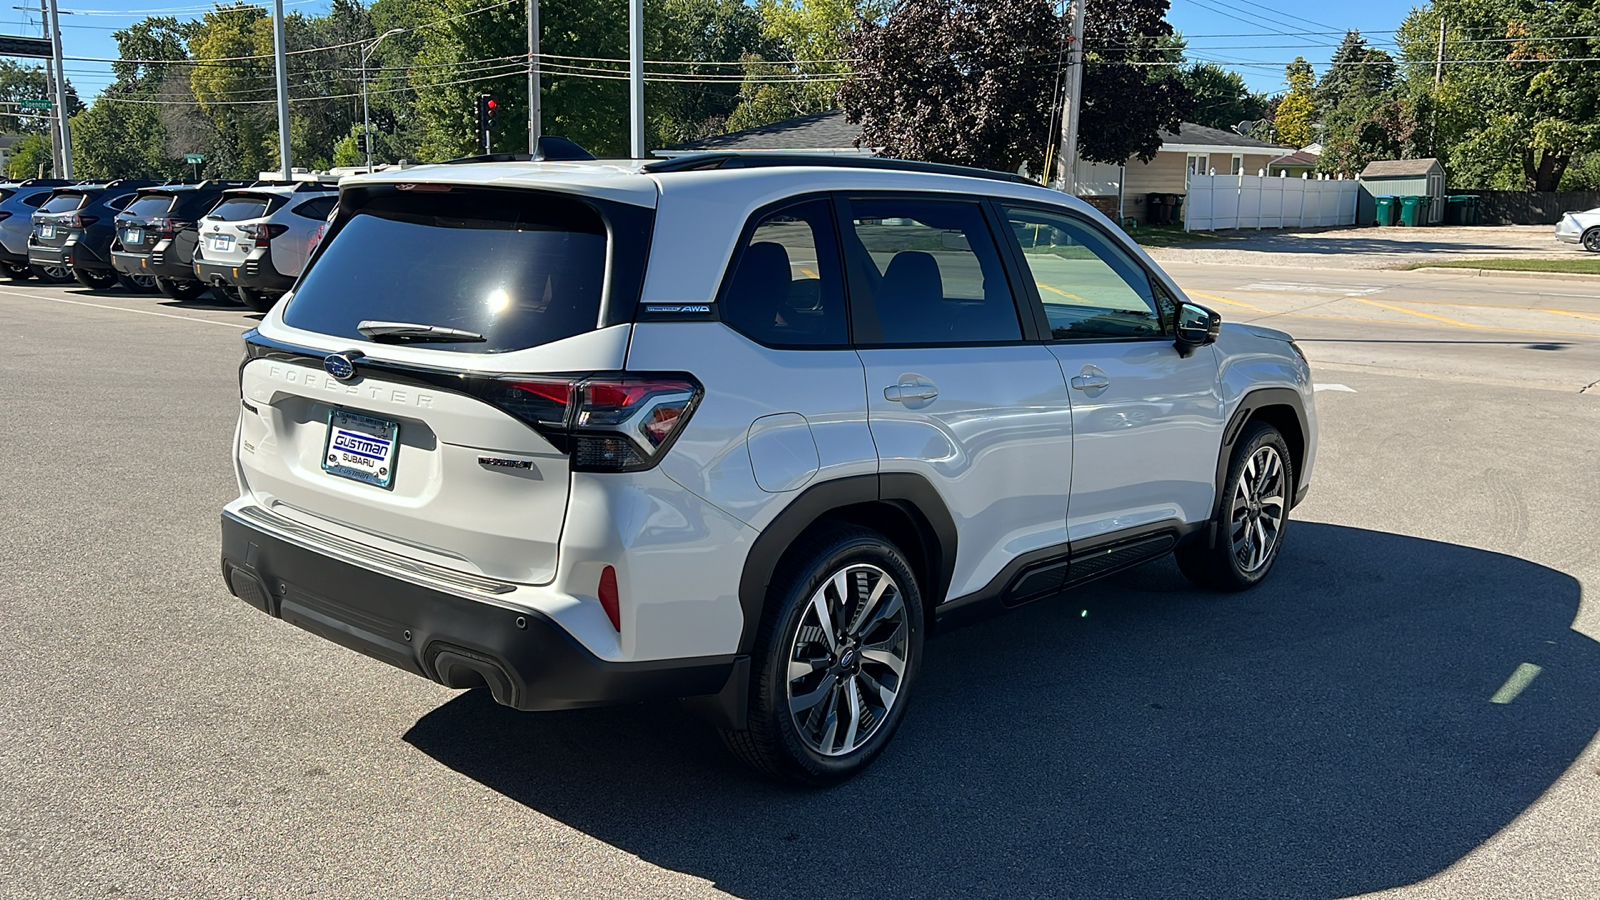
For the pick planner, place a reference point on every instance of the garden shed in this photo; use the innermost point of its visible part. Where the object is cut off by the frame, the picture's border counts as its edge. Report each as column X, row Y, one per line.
column 1402, row 178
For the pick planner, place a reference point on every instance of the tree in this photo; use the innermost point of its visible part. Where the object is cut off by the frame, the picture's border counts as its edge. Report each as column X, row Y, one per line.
column 1127, row 101
column 1221, row 99
column 1296, row 117
column 1527, row 105
column 234, row 85
column 1363, row 116
column 29, row 156
column 975, row 82
column 1357, row 74
column 957, row 81
column 807, row 41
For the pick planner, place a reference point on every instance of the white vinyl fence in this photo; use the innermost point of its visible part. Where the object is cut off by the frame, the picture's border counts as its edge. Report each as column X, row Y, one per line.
column 1258, row 201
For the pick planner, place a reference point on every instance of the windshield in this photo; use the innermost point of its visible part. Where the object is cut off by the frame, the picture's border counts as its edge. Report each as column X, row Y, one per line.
column 238, row 209
column 63, row 203
column 150, row 205
column 519, row 267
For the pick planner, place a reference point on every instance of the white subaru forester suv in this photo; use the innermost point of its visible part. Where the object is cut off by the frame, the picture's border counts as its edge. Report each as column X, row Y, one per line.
column 737, row 430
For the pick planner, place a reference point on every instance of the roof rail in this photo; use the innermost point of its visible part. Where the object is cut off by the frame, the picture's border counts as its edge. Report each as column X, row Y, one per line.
column 713, row 160
column 553, row 148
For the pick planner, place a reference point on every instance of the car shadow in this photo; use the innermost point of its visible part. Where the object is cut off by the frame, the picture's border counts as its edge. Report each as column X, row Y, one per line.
column 1330, row 733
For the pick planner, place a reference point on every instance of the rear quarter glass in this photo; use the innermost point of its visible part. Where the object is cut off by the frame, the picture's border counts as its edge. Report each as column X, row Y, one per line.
column 522, row 268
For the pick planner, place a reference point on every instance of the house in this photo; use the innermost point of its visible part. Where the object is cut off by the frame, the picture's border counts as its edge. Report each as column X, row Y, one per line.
column 1121, row 192
column 8, row 146
column 1401, row 178
column 1293, row 165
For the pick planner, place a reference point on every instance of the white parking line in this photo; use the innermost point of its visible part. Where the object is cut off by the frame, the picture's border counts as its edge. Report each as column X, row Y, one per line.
column 1342, row 388
column 142, row 312
column 1517, row 683
column 1298, row 287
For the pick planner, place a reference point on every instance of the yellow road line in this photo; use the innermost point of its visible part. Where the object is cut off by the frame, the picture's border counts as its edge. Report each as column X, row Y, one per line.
column 1056, row 290
column 1455, row 322
column 1229, row 302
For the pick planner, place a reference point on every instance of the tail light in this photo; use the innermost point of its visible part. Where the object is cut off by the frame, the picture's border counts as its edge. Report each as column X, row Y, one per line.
column 265, row 233
column 4, row 215
column 77, row 221
column 610, row 422
column 167, row 228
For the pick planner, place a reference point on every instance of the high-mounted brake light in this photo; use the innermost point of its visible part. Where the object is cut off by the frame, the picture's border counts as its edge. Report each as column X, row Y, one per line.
column 608, row 422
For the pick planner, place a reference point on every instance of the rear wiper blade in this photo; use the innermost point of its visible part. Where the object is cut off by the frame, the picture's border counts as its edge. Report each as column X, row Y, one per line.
column 411, row 331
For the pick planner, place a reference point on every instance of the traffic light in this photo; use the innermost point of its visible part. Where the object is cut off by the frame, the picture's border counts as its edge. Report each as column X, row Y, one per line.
column 488, row 108
column 494, row 109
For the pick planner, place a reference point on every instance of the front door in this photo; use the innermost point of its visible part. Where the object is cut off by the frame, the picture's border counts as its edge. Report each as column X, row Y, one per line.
column 954, row 392
column 1146, row 420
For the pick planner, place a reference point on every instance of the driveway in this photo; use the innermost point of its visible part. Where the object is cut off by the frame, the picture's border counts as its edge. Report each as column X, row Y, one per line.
column 1369, row 248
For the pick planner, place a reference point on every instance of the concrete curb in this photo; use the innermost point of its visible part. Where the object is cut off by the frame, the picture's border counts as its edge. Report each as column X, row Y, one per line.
column 1513, row 273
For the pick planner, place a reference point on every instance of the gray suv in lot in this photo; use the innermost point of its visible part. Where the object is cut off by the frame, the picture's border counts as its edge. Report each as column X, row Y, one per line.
column 18, row 202
column 737, row 430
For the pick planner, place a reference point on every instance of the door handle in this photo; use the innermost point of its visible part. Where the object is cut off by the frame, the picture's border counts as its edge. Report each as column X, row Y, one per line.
column 910, row 390
column 1090, row 382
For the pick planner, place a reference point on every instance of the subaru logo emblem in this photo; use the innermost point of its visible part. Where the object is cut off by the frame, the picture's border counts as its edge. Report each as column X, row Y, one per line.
column 340, row 365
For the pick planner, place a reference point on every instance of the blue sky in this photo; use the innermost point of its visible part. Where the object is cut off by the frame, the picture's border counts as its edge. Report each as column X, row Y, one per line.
column 1248, row 37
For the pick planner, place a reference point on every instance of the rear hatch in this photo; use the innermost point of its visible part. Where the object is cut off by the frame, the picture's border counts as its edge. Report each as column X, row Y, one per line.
column 228, row 232
column 145, row 221
column 451, row 447
column 59, row 220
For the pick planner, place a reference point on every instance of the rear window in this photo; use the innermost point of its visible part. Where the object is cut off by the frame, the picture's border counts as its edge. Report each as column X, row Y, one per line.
column 63, row 203
column 150, row 205
column 520, row 268
column 238, row 209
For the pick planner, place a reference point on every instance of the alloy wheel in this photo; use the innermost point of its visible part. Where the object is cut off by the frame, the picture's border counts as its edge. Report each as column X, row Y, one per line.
column 1258, row 511
column 60, row 273
column 848, row 659
column 1591, row 241
column 145, row 282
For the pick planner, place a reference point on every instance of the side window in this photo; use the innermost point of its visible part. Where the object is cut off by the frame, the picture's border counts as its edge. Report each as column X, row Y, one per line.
column 36, row 199
column 316, row 209
column 927, row 272
column 120, row 202
column 1090, row 287
column 785, row 287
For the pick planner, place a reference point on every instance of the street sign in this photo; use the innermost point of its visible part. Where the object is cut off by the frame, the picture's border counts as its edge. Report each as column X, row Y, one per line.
column 35, row 48
column 30, row 103
column 194, row 159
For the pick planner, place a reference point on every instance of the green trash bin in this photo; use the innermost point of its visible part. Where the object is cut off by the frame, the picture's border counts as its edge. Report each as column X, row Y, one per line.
column 1386, row 206
column 1412, row 210
column 1455, row 209
column 1470, row 213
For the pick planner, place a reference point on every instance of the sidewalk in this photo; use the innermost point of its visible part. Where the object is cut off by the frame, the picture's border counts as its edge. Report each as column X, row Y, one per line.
column 1369, row 248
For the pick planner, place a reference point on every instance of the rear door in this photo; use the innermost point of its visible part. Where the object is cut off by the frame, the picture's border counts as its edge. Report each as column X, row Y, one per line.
column 51, row 224
column 956, row 391
column 1146, row 421
column 133, row 223
column 421, row 449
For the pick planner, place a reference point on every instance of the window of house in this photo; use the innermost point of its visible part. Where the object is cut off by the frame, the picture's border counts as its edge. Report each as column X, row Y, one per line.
column 1199, row 163
column 1238, row 164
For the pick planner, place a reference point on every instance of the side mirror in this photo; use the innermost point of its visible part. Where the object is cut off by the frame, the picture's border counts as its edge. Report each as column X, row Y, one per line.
column 1197, row 327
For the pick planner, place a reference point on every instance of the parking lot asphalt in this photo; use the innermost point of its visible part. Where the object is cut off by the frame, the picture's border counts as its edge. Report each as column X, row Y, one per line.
column 1329, row 734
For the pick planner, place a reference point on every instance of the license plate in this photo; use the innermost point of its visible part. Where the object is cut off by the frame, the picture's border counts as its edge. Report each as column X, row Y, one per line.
column 47, row 232
column 133, row 236
column 360, row 447
column 219, row 242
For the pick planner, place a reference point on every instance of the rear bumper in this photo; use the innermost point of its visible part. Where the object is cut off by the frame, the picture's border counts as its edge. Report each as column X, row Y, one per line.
column 524, row 658
column 50, row 256
column 255, row 272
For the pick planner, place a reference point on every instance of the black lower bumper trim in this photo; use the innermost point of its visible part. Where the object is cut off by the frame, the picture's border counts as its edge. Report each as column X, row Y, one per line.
column 525, row 659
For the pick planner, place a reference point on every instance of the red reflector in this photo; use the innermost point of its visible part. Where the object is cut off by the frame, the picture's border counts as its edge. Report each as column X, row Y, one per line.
column 608, row 597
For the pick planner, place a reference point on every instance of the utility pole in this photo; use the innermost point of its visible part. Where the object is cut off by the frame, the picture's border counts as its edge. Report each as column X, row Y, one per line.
column 535, row 110
column 50, row 89
column 1067, row 156
column 1438, row 66
column 61, row 92
column 1438, row 77
column 636, row 77
column 280, row 58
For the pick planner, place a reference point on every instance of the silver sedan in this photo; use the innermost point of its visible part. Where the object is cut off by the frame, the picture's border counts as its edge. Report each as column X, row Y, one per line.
column 1580, row 228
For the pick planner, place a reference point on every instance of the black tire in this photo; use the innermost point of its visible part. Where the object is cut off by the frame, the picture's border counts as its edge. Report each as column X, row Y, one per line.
column 182, row 291
column 1227, row 567
column 1591, row 240
column 95, row 281
column 260, row 301
column 852, row 680
column 226, row 294
column 16, row 271
column 51, row 274
column 138, row 284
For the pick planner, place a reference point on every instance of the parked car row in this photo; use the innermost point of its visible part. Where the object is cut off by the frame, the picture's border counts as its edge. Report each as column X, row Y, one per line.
column 243, row 241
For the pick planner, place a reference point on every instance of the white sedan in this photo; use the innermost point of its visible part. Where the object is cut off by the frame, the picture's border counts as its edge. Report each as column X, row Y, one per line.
column 1580, row 228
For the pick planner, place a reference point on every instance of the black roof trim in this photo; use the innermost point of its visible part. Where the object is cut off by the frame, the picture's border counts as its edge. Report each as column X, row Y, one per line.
column 702, row 161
